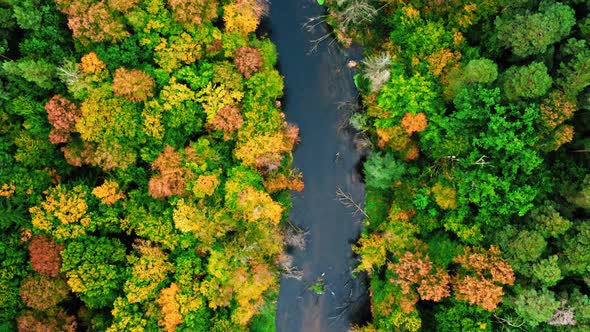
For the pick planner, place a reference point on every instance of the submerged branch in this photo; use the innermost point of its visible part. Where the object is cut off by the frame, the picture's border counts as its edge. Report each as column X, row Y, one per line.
column 347, row 200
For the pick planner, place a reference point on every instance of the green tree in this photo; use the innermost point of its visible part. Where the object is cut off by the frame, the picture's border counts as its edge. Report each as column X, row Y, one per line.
column 95, row 269
column 529, row 34
column 547, row 271
column 533, row 306
column 382, row 170
column 526, row 82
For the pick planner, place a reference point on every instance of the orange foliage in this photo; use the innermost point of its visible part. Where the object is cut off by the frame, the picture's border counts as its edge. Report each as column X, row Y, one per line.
column 77, row 155
column 249, row 288
column 563, row 134
column 45, row 256
column 62, row 115
column 133, row 84
column 108, row 192
column 556, row 109
column 440, row 60
column 281, row 181
column 411, row 269
column 478, row 291
column 170, row 308
column 291, row 133
column 193, row 12
column 7, row 190
column 488, row 271
column 414, row 123
column 91, row 64
column 92, row 22
column 407, row 303
column 415, row 270
column 395, row 137
column 248, row 61
column 435, row 286
column 412, row 152
column 445, row 197
column 228, row 119
column 43, row 293
column 171, row 178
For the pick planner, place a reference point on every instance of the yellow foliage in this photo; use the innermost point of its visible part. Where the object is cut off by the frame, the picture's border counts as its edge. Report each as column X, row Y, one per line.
column 213, row 98
column 175, row 51
column 259, row 206
column 189, row 217
column 264, row 150
column 445, row 197
column 468, row 17
column 152, row 124
column 174, row 94
column 205, row 185
column 63, row 213
column 249, row 293
column 406, row 322
column 108, row 192
column 148, row 271
column 240, row 18
column 170, row 308
column 372, row 251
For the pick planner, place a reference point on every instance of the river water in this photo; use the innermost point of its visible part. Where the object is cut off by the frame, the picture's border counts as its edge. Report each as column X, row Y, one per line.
column 316, row 83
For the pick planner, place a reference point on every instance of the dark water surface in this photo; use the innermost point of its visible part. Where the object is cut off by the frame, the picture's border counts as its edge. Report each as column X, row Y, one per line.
column 315, row 84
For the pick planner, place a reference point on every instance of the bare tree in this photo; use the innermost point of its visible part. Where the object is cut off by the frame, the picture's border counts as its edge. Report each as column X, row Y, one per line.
column 376, row 69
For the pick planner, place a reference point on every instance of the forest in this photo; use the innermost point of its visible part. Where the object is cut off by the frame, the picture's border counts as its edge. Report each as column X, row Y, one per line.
column 478, row 191
column 144, row 166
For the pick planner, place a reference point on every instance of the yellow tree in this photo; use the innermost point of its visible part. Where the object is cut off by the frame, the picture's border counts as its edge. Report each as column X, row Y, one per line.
column 64, row 213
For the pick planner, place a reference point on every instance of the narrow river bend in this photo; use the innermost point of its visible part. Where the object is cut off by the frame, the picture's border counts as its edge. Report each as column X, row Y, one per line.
column 315, row 84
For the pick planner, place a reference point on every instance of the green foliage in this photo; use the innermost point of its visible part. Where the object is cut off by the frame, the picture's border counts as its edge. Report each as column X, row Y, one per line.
column 529, row 34
column 382, row 170
column 40, row 72
column 533, row 306
column 484, row 168
column 547, row 271
column 95, row 269
column 527, row 82
column 404, row 94
column 459, row 316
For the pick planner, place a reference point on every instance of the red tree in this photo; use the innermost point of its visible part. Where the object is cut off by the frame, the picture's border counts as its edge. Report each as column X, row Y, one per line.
column 171, row 179
column 63, row 115
column 45, row 257
column 248, row 61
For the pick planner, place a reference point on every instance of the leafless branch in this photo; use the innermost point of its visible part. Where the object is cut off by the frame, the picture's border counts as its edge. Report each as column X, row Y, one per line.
column 347, row 200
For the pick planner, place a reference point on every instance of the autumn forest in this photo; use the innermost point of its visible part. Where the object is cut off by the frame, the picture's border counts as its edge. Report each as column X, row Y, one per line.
column 146, row 164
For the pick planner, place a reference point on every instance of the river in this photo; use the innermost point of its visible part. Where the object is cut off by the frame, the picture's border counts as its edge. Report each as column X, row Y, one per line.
column 316, row 83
